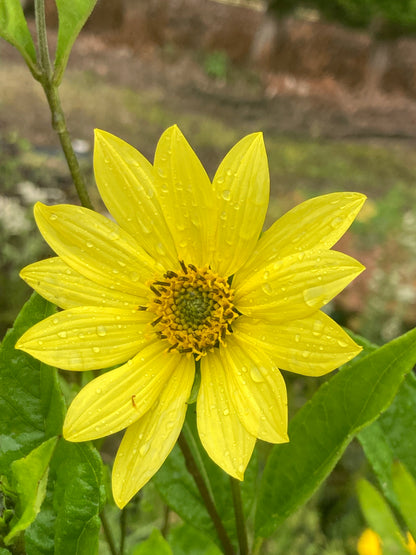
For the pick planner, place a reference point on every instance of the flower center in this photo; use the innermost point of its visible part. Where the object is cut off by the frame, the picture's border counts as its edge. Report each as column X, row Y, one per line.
column 194, row 309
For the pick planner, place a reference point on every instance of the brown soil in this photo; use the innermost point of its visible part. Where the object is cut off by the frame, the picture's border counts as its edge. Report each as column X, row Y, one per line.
column 313, row 85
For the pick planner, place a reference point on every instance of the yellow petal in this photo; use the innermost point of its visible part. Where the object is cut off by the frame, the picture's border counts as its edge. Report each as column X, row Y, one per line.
column 258, row 390
column 120, row 397
column 148, row 442
column 317, row 223
column 185, row 194
column 296, row 286
column 126, row 180
column 312, row 346
column 241, row 186
column 60, row 284
column 86, row 337
column 222, row 434
column 96, row 247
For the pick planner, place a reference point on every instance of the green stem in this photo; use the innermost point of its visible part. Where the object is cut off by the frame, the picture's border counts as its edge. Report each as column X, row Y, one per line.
column 206, row 497
column 107, row 533
column 52, row 95
column 239, row 516
column 257, row 545
column 43, row 49
column 123, row 524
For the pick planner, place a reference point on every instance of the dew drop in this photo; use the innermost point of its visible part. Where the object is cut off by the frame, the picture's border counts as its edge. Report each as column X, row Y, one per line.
column 342, row 343
column 62, row 334
column 226, row 412
column 98, row 390
column 266, row 275
column 89, row 244
column 336, row 222
column 256, row 375
column 297, row 338
column 220, row 179
column 144, row 449
column 101, row 331
column 226, row 194
column 267, row 288
column 96, row 349
column 55, row 320
column 53, row 217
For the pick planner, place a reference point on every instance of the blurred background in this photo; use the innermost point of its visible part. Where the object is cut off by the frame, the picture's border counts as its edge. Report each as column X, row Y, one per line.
column 331, row 83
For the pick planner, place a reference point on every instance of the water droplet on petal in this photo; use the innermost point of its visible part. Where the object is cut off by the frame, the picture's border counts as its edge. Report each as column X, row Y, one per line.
column 226, row 194
column 226, row 412
column 256, row 375
column 101, row 331
column 96, row 349
column 53, row 217
column 89, row 244
column 144, row 449
column 62, row 334
column 267, row 288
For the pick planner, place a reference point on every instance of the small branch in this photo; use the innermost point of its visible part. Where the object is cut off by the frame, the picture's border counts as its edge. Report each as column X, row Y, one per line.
column 43, row 49
column 206, row 497
column 239, row 516
column 52, row 95
column 107, row 533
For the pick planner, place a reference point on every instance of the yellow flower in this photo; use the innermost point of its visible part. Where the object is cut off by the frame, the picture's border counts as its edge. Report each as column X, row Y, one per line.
column 183, row 276
column 369, row 543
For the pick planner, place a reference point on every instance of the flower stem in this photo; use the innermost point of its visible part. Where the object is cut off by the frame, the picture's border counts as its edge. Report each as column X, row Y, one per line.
column 52, row 95
column 107, row 533
column 239, row 516
column 123, row 524
column 206, row 497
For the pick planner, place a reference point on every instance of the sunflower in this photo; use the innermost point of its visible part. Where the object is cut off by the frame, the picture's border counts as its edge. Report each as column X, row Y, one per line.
column 180, row 289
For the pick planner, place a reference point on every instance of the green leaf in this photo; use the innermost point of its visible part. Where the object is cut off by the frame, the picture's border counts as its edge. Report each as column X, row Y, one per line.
column 31, row 404
column 30, row 475
column 155, row 543
column 32, row 410
column 405, row 488
column 380, row 519
column 14, row 29
column 186, row 539
column 179, row 491
column 72, row 17
column 69, row 521
column 321, row 430
column 393, row 437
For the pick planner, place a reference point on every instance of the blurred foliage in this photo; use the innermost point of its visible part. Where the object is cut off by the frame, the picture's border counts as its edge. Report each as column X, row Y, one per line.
column 387, row 19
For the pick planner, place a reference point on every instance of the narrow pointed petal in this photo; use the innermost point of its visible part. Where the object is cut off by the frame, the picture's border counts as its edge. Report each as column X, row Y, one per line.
column 317, row 223
column 222, row 434
column 148, row 442
column 86, row 337
column 62, row 285
column 96, row 247
column 296, row 286
column 185, row 194
column 312, row 346
column 120, row 397
column 258, row 390
column 241, row 186
column 126, row 182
